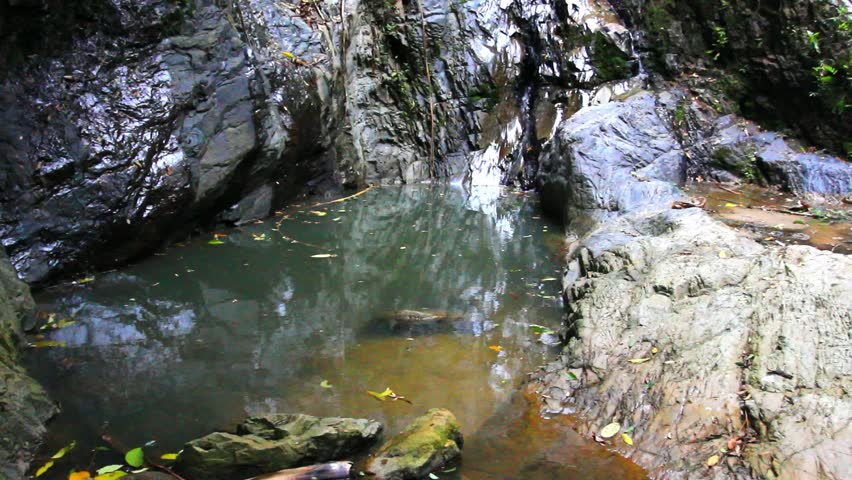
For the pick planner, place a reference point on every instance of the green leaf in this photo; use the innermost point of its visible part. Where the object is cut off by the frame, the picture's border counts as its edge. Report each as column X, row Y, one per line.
column 571, row 376
column 541, row 329
column 630, row 429
column 61, row 453
column 216, row 241
column 380, row 396
column 135, row 458
column 108, row 469
column 325, row 384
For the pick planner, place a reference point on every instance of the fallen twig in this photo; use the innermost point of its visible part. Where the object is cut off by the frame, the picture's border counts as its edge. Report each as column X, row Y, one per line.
column 728, row 189
column 344, row 198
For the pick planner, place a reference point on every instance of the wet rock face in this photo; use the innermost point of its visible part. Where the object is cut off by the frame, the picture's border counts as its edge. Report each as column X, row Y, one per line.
column 131, row 137
column 24, row 405
column 275, row 442
column 427, row 444
column 761, row 55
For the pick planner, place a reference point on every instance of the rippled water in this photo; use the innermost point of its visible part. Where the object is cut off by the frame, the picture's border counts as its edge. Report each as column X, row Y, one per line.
column 195, row 339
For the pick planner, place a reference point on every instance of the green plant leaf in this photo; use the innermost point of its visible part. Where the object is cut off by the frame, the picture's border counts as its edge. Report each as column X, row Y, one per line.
column 216, row 241
column 108, row 469
column 62, row 451
column 135, row 458
column 44, row 468
column 610, row 430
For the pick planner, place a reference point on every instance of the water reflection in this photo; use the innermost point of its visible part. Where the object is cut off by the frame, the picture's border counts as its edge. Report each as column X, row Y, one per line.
column 203, row 335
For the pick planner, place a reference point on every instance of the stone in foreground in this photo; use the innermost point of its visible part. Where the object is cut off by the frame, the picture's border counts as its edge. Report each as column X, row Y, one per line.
column 274, row 442
column 427, row 444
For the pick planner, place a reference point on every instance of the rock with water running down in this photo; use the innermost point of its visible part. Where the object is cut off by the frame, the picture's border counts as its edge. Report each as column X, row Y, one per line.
column 274, row 442
column 427, row 444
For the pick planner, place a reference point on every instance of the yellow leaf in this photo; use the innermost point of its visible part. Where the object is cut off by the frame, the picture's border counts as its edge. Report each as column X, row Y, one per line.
column 111, row 475
column 169, row 456
column 62, row 451
column 730, row 205
column 381, row 396
column 723, row 254
column 85, row 280
column 319, row 213
column 638, row 360
column 655, row 350
column 288, row 54
column 610, row 430
column 496, row 348
column 324, row 255
column 714, row 460
column 44, row 468
column 325, row 384
column 626, row 438
column 79, row 475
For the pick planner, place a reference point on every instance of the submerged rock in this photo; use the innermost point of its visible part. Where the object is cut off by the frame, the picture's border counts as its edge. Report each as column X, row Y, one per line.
column 275, row 442
column 425, row 445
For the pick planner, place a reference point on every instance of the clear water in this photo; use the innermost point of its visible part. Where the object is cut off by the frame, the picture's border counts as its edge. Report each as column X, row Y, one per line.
column 198, row 337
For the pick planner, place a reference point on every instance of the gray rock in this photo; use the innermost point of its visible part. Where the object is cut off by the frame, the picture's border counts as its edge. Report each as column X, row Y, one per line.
column 275, row 442
column 23, row 402
column 427, row 444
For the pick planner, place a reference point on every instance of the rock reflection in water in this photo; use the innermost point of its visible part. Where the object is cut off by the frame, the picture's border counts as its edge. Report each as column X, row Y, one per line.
column 197, row 338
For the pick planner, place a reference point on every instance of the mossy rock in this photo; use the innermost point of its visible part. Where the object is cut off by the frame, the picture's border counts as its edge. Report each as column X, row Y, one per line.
column 427, row 444
column 275, row 442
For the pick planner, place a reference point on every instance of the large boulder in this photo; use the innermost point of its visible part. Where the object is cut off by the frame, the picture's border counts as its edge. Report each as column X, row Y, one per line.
column 275, row 442
column 425, row 445
column 23, row 403
column 751, row 346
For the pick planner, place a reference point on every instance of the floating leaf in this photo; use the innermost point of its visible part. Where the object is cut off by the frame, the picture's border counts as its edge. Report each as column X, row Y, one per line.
column 288, row 55
column 496, row 348
column 149, row 443
column 65, row 322
column 549, row 279
column 259, row 238
column 730, row 205
column 610, row 430
column 381, row 396
column 571, row 376
column 79, row 475
column 44, row 468
column 141, row 470
column 169, row 456
column 325, row 384
column 433, row 476
column 111, row 475
column 453, row 469
column 48, row 343
column 216, row 241
column 318, row 213
column 655, row 350
column 135, row 458
column 639, row 360
column 62, row 451
column 109, row 469
column 712, row 461
column 541, row 329
column 626, row 438
column 85, row 280
column 324, row 255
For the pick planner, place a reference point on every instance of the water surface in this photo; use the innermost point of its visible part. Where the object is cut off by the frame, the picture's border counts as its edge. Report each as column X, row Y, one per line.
column 198, row 337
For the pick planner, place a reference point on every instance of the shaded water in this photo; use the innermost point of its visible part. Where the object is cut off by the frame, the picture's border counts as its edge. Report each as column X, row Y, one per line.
column 197, row 338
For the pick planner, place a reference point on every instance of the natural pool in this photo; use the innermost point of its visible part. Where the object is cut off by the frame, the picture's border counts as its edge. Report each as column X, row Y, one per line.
column 196, row 338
